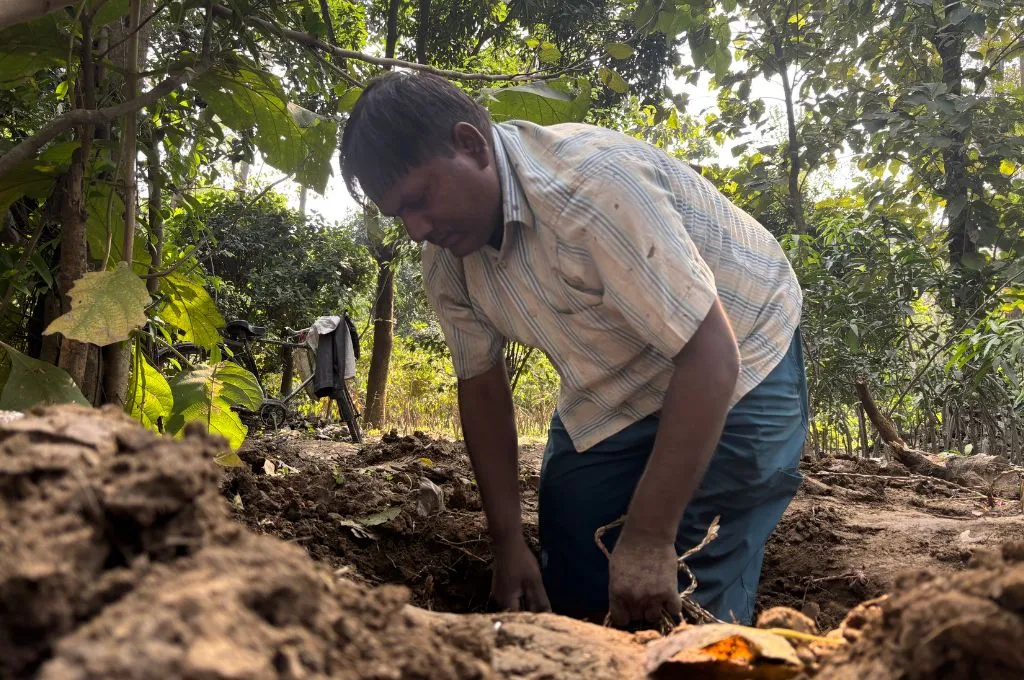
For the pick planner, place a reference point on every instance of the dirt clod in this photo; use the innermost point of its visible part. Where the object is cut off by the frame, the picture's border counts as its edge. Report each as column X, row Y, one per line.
column 960, row 626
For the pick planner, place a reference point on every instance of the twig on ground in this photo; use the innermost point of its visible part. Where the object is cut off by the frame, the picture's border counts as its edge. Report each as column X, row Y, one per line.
column 910, row 477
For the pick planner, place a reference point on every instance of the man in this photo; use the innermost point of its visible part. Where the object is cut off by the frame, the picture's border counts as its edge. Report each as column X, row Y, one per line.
column 670, row 315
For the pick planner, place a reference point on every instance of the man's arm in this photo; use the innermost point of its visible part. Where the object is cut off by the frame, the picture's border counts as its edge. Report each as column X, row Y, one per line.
column 489, row 427
column 643, row 570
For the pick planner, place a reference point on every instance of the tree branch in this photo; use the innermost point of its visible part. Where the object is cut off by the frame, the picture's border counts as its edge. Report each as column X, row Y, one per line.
column 310, row 40
column 27, row 148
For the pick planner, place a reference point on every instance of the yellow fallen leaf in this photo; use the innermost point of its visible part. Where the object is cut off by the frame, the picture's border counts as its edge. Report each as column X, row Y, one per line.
column 722, row 651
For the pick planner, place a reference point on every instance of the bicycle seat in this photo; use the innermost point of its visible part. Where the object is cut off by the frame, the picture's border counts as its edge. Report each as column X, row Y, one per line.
column 242, row 329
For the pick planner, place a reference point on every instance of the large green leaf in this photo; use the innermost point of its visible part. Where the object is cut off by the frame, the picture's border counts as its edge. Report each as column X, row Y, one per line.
column 190, row 308
column 36, row 177
column 26, row 382
column 619, row 50
column 26, row 49
column 541, row 103
column 247, row 98
column 105, row 307
column 612, row 80
column 150, row 400
column 207, row 394
column 104, row 224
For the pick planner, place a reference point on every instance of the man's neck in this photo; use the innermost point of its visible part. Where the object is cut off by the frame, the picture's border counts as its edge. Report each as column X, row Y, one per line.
column 497, row 236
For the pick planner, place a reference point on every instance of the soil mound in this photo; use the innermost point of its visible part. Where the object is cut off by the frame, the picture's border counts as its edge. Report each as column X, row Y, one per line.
column 402, row 510
column 121, row 560
column 955, row 627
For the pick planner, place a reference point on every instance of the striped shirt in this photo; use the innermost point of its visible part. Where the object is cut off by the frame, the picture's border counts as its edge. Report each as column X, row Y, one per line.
column 613, row 253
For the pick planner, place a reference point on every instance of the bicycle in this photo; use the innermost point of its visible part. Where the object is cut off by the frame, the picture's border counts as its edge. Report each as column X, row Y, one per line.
column 239, row 336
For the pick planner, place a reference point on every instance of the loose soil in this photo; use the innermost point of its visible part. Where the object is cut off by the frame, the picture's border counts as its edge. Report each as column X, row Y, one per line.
column 835, row 547
column 121, row 558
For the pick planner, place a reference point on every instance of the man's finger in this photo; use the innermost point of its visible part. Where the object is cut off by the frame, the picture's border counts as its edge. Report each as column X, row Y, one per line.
column 510, row 601
column 652, row 610
column 537, row 597
column 619, row 610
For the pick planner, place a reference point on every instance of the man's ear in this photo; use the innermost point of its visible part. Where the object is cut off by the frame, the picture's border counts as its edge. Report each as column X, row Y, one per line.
column 470, row 141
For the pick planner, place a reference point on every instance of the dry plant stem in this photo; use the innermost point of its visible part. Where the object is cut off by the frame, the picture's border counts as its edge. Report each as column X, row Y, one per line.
column 696, row 612
column 911, row 477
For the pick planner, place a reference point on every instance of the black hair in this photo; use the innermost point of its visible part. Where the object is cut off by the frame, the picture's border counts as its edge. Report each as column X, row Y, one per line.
column 400, row 121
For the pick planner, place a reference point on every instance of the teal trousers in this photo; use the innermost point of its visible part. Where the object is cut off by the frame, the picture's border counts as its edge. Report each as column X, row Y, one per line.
column 750, row 481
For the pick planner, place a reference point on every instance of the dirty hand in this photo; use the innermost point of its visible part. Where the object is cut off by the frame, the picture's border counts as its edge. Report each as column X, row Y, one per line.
column 643, row 580
column 517, row 584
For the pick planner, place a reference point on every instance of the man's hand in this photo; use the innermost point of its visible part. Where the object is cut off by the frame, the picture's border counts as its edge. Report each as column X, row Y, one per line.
column 517, row 583
column 643, row 580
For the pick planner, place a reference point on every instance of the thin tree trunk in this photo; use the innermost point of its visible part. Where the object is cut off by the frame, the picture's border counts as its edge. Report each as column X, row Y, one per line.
column 391, row 41
column 303, row 195
column 156, row 215
column 863, row 431
column 949, row 42
column 117, row 357
column 287, row 371
column 74, row 356
column 423, row 31
column 383, row 342
column 796, row 199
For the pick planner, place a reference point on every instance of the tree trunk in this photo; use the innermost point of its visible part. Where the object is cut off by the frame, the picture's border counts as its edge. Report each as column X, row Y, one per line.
column 950, row 43
column 303, row 196
column 73, row 355
column 862, row 426
column 391, row 40
column 287, row 371
column 423, row 31
column 117, row 357
column 383, row 341
column 796, row 199
column 916, row 461
column 156, row 215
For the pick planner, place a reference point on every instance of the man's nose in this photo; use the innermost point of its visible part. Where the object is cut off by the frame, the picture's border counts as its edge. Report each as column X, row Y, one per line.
column 418, row 227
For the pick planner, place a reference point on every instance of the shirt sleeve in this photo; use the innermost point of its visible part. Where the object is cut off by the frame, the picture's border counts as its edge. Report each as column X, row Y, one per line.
column 650, row 268
column 475, row 345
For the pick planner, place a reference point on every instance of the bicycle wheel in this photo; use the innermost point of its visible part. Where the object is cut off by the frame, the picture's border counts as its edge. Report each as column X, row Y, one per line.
column 348, row 412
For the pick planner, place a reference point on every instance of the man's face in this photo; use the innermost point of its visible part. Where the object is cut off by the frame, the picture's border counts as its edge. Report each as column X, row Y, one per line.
column 452, row 202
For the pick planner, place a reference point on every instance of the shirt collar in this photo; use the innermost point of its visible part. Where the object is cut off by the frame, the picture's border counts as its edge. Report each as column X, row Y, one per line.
column 515, row 208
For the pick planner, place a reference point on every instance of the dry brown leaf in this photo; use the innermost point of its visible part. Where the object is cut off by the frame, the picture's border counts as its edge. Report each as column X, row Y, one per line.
column 722, row 651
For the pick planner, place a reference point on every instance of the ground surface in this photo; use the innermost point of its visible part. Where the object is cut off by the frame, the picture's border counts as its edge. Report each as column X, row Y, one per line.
column 121, row 559
column 833, row 549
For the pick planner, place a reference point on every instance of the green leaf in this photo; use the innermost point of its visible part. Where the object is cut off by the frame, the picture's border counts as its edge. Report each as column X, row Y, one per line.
column 104, row 222
column 975, row 23
column 348, row 98
column 246, row 99
column 973, row 261
column 619, row 50
column 206, row 395
column 229, row 459
column 150, row 400
column 105, row 307
column 549, row 53
column 612, row 80
column 239, row 387
column 541, row 103
column 644, row 14
column 1007, row 167
column 111, row 10
column 62, row 89
column 26, row 49
column 190, row 308
column 26, row 382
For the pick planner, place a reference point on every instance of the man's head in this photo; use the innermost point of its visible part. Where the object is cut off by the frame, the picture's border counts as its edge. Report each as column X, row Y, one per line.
column 420, row 149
